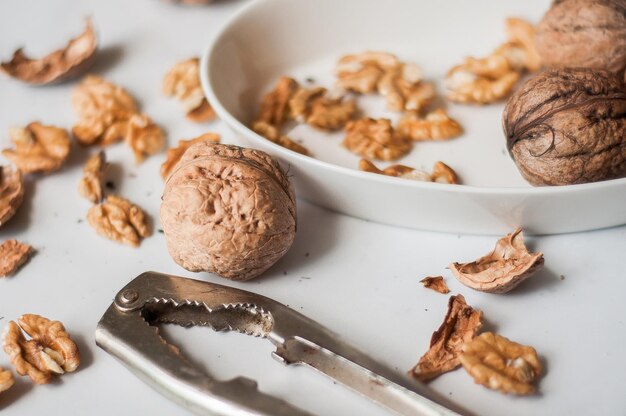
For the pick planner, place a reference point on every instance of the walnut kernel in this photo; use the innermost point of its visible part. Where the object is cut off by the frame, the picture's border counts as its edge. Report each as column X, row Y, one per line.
column 375, row 139
column 460, row 325
column 144, row 137
column 11, row 192
column 435, row 283
column 13, row 255
column 175, row 153
column 275, row 104
column 316, row 107
column 500, row 364
column 481, row 81
column 500, row 271
column 183, row 83
column 437, row 125
column 271, row 133
column 442, row 173
column 362, row 72
column 91, row 184
column 38, row 148
column 119, row 220
column 403, row 90
column 6, row 379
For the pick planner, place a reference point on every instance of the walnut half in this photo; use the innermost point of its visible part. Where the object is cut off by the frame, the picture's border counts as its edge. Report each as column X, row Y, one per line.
column 13, row 255
column 49, row 352
column 119, row 220
column 11, row 192
column 183, row 83
column 38, row 148
column 375, row 139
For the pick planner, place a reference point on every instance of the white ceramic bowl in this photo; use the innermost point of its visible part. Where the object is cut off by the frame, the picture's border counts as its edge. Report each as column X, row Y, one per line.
column 270, row 38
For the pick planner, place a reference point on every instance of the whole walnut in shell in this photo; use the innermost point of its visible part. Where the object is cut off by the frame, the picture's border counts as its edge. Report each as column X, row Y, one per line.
column 568, row 126
column 584, row 33
column 228, row 210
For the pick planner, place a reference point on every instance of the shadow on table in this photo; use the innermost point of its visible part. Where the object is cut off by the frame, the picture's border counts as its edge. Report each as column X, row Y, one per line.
column 21, row 387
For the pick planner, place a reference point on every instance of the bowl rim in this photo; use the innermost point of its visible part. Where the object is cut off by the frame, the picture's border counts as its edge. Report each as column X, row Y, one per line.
column 206, row 80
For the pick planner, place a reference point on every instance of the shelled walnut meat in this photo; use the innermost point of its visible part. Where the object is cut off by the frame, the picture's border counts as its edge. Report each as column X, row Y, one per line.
column 508, row 265
column 59, row 65
column 272, row 134
column 316, row 107
column 183, row 83
column 11, row 192
column 91, row 185
column 436, row 125
column 275, row 109
column 441, row 173
column 175, row 153
column 375, row 139
column 38, row 148
column 13, row 255
column 584, row 33
column 460, row 325
column 119, row 220
column 228, row 210
column 50, row 351
column 568, row 126
column 6, row 379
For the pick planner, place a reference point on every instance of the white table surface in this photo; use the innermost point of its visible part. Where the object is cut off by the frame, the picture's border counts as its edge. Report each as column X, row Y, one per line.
column 358, row 278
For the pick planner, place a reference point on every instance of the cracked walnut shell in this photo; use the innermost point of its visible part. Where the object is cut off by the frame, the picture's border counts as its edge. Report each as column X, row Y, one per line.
column 228, row 210
column 436, row 125
column 500, row 364
column 49, row 352
column 175, row 153
column 11, row 192
column 38, row 148
column 508, row 265
column 435, row 283
column 57, row 66
column 13, row 255
column 317, row 108
column 91, row 185
column 183, row 83
column 119, row 220
column 459, row 326
column 375, row 139
column 6, row 379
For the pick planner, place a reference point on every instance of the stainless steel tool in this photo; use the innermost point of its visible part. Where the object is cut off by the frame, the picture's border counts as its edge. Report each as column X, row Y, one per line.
column 127, row 331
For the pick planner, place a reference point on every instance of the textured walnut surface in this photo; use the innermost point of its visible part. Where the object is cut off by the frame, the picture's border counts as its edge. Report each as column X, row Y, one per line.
column 228, row 210
column 38, row 148
column 11, row 192
column 13, row 255
column 583, row 33
column 568, row 126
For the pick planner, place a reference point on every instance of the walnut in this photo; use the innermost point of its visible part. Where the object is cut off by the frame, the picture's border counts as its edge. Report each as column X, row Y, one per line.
column 143, row 136
column 183, row 83
column 500, row 364
column 437, row 125
column 435, row 283
column 583, row 33
column 403, row 89
column 275, row 104
column 316, row 107
column 91, row 184
column 362, row 72
column 57, row 66
column 442, row 173
column 102, row 108
column 375, row 139
column 503, row 269
column 50, row 351
column 460, row 325
column 119, row 220
column 271, row 133
column 13, row 255
column 175, row 153
column 6, row 379
column 520, row 50
column 228, row 210
column 481, row 81
column 38, row 148
column 11, row 192
column 568, row 126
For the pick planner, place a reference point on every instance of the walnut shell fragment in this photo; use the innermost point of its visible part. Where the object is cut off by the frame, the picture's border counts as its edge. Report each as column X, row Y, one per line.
column 228, row 210
column 508, row 265
column 435, row 283
column 11, row 192
column 375, row 139
column 583, row 33
column 175, row 153
column 91, row 185
column 38, row 148
column 183, row 83
column 119, row 220
column 13, row 255
column 500, row 364
column 49, row 352
column 568, row 126
column 6, row 379
column 60, row 65
column 460, row 325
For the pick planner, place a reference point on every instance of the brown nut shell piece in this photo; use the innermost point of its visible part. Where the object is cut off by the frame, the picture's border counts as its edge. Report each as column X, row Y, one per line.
column 228, row 210
column 175, row 153
column 11, row 192
column 500, row 364
column 119, row 220
column 38, row 148
column 375, row 139
column 460, row 325
column 6, row 379
column 568, row 126
column 60, row 65
column 435, row 283
column 583, row 33
column 91, row 185
column 13, row 255
column 508, row 265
